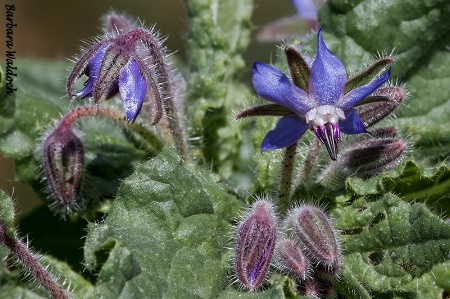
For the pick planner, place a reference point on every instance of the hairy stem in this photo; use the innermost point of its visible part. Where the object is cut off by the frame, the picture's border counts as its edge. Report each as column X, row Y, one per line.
column 177, row 131
column 284, row 190
column 304, row 176
column 85, row 111
column 32, row 265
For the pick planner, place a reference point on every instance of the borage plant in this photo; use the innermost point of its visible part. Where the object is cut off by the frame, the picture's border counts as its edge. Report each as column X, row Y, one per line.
column 156, row 195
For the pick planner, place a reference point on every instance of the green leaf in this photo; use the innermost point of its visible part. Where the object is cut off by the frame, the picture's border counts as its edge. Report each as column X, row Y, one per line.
column 389, row 243
column 165, row 235
column 364, row 28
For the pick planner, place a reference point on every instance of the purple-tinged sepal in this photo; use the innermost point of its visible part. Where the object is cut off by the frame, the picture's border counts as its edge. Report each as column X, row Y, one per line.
column 115, row 23
column 298, row 67
column 255, row 244
column 376, row 69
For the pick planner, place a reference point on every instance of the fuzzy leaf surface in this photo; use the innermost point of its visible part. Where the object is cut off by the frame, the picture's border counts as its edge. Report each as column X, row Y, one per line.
column 165, row 235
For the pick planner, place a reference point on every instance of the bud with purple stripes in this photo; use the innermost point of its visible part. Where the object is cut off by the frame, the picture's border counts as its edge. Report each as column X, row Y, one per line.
column 255, row 244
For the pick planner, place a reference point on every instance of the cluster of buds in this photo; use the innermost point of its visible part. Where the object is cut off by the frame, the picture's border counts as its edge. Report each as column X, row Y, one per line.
column 308, row 251
column 124, row 60
column 128, row 60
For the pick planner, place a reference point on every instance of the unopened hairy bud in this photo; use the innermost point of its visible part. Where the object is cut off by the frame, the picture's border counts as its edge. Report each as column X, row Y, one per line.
column 369, row 157
column 315, row 232
column 63, row 159
column 255, row 244
column 290, row 258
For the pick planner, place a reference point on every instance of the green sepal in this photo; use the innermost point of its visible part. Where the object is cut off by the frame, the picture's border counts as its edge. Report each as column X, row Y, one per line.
column 370, row 73
column 298, row 68
column 264, row 110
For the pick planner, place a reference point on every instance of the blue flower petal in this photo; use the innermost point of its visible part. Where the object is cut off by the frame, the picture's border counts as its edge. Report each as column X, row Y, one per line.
column 94, row 68
column 271, row 84
column 352, row 123
column 132, row 87
column 306, row 9
column 354, row 96
column 328, row 76
column 288, row 131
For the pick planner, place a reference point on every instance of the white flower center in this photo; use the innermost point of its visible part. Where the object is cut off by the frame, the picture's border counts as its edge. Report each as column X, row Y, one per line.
column 321, row 115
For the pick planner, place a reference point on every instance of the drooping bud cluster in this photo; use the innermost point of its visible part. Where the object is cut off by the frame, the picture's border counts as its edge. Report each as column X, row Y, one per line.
column 127, row 59
column 131, row 60
column 309, row 251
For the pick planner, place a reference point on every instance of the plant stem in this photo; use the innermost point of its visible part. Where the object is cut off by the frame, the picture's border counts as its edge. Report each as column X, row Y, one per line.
column 32, row 265
column 304, row 176
column 284, row 191
column 85, row 111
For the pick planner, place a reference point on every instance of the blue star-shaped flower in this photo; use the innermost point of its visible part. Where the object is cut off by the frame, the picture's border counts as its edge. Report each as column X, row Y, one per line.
column 323, row 105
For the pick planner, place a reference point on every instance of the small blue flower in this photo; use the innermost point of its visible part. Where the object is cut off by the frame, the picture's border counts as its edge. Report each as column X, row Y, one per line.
column 129, row 60
column 323, row 106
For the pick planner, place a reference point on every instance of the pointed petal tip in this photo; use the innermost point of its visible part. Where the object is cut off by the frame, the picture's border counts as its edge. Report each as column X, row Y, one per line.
column 131, row 117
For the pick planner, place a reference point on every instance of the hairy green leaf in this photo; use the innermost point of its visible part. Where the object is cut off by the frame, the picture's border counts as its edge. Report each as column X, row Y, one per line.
column 166, row 234
column 389, row 243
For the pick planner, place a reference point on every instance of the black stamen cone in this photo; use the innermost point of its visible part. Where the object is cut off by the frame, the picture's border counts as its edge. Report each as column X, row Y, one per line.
column 330, row 142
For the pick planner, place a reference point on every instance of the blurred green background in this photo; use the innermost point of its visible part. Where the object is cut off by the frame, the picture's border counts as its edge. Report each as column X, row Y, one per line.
column 54, row 30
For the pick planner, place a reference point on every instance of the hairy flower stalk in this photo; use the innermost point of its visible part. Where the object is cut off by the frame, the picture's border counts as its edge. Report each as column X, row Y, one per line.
column 319, row 98
column 284, row 190
column 31, row 264
column 63, row 156
column 255, row 244
column 131, row 60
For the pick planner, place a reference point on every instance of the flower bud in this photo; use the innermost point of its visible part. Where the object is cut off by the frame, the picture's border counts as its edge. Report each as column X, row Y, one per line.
column 310, row 288
column 367, row 158
column 255, row 245
column 380, row 104
column 117, row 23
column 290, row 258
column 317, row 287
column 63, row 159
column 315, row 232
